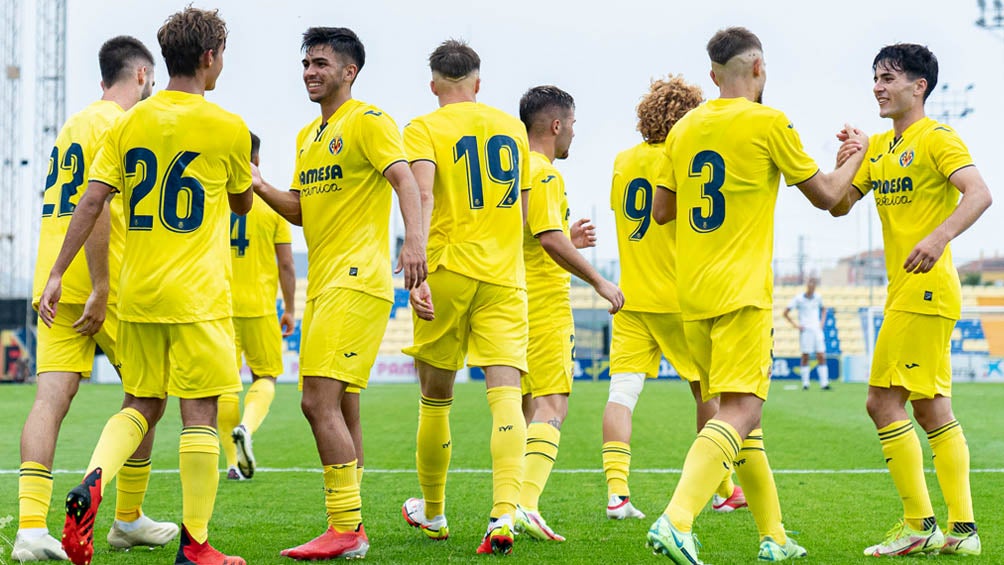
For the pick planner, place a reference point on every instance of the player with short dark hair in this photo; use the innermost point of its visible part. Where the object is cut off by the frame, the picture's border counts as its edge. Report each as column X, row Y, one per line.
column 66, row 350
column 916, row 171
column 178, row 160
column 550, row 252
column 349, row 160
column 724, row 162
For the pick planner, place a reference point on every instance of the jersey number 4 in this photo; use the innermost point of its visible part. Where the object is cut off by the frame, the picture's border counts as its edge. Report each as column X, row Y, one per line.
column 181, row 198
column 711, row 192
column 238, row 234
column 502, row 155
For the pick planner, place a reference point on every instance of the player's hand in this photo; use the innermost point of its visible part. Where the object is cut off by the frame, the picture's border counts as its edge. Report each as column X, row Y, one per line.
column 287, row 323
column 847, row 148
column 612, row 294
column 583, row 234
column 94, row 313
column 851, row 133
column 256, row 180
column 412, row 262
column 50, row 298
column 926, row 253
column 420, row 298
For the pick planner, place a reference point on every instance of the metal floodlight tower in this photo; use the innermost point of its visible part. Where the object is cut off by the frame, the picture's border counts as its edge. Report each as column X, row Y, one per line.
column 10, row 103
column 951, row 104
column 991, row 20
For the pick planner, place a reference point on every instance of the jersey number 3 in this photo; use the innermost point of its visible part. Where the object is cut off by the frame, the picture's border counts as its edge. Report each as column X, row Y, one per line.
column 181, row 198
column 711, row 192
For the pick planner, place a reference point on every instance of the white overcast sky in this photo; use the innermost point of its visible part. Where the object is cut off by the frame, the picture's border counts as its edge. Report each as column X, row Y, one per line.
column 604, row 53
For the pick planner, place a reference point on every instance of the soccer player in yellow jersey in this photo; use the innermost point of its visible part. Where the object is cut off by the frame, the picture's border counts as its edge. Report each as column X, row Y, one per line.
column 261, row 249
column 916, row 171
column 348, row 161
column 724, row 160
column 650, row 324
column 66, row 350
column 471, row 162
column 177, row 161
column 549, row 249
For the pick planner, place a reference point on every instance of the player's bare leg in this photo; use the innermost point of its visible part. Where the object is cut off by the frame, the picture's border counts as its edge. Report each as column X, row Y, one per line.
column 345, row 536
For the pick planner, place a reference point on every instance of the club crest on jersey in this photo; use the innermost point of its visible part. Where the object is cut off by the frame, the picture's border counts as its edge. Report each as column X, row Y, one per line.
column 335, row 147
column 906, row 158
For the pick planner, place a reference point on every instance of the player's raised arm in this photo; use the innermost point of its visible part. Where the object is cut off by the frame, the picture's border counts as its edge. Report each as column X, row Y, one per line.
column 85, row 215
column 285, row 202
column 827, row 190
column 976, row 199
column 416, row 228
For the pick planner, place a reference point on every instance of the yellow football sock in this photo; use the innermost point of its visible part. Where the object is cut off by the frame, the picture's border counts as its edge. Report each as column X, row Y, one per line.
column 507, row 445
column 903, row 456
column 198, row 460
column 341, row 497
column 228, row 417
column 34, row 491
column 257, row 402
column 951, row 463
column 754, row 472
column 433, row 452
column 542, row 441
column 709, row 459
column 726, row 487
column 131, row 486
column 617, row 466
column 122, row 435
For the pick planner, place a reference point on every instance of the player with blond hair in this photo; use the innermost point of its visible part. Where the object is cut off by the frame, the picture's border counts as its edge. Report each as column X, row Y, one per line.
column 650, row 325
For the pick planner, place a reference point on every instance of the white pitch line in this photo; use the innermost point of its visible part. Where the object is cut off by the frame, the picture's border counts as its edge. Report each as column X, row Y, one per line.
column 559, row 471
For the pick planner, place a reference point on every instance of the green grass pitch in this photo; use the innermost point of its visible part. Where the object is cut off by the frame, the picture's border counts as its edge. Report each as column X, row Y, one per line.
column 813, row 440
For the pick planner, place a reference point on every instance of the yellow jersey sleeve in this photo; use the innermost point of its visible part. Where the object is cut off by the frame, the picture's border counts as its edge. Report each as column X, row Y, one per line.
column 418, row 142
column 544, row 210
column 239, row 178
column 282, row 234
column 863, row 178
column 785, row 146
column 301, row 137
column 381, row 140
column 948, row 152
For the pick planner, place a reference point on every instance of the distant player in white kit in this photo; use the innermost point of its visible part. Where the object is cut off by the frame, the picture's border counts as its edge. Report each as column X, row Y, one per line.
column 811, row 313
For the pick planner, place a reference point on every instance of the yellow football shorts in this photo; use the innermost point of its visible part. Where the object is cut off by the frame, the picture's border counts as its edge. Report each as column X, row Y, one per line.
column 913, row 351
column 260, row 340
column 550, row 354
column 482, row 322
column 733, row 352
column 194, row 360
column 340, row 335
column 641, row 338
column 62, row 349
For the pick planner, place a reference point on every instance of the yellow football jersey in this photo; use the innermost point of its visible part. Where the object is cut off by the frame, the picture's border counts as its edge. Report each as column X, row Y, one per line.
column 173, row 158
column 909, row 177
column 346, row 200
column 547, row 284
column 482, row 162
column 252, row 248
column 71, row 157
column 725, row 161
column 647, row 250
